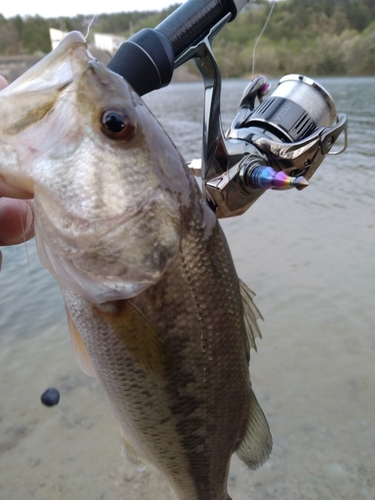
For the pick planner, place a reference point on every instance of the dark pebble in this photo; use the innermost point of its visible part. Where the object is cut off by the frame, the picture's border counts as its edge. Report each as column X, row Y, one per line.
column 50, row 397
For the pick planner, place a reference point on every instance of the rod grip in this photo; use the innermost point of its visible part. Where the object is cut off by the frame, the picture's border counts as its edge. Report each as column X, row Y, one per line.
column 146, row 60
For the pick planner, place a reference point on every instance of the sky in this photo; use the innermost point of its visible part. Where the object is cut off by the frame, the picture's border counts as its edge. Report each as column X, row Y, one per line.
column 70, row 8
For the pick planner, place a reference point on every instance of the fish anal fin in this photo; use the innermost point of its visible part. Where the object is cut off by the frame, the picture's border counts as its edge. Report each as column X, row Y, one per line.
column 256, row 446
column 251, row 315
column 130, row 454
column 79, row 348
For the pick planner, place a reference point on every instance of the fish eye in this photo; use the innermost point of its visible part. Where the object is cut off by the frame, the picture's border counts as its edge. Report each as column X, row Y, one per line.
column 116, row 124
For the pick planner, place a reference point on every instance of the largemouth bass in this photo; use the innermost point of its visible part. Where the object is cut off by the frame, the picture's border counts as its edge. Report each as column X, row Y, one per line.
column 155, row 308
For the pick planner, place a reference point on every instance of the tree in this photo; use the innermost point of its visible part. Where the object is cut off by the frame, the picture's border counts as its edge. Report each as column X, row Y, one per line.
column 35, row 35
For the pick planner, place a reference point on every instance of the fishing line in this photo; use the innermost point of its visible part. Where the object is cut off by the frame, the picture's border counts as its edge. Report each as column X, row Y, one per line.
column 260, row 36
column 89, row 26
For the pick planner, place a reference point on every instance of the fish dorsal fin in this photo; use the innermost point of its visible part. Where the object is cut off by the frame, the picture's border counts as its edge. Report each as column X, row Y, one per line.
column 251, row 315
column 256, row 446
column 79, row 348
column 130, row 454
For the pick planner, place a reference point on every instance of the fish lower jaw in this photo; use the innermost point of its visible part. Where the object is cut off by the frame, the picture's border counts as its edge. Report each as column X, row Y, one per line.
column 94, row 285
column 105, row 291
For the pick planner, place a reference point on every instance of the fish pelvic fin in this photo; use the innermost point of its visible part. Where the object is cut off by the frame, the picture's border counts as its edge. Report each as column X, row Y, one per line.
column 130, row 454
column 256, row 446
column 251, row 315
column 79, row 348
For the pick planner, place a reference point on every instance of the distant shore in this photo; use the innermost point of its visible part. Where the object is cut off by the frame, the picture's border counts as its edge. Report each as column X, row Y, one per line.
column 11, row 67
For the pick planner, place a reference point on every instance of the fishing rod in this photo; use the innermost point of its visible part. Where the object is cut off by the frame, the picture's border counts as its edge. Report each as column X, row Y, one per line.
column 147, row 59
column 274, row 142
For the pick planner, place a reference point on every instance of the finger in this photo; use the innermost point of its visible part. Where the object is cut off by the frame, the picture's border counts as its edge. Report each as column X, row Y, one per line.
column 16, row 221
column 10, row 191
column 16, row 216
column 7, row 189
column 3, row 82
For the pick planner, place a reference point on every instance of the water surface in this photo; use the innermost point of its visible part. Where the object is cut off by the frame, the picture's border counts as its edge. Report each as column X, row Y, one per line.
column 308, row 255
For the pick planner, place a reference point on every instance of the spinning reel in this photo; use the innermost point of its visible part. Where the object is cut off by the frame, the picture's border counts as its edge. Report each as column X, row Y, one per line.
column 279, row 144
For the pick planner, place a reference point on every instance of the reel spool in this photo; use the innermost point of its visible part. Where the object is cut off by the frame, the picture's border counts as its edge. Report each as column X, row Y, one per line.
column 296, row 108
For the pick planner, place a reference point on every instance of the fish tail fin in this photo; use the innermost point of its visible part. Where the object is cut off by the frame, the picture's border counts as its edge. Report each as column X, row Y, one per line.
column 256, row 446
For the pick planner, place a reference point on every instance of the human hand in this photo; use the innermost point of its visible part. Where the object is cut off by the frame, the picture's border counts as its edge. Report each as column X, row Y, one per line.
column 16, row 210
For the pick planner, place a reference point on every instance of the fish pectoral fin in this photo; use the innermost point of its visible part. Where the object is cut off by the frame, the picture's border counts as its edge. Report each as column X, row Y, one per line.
column 251, row 315
column 256, row 446
column 79, row 348
column 130, row 454
column 140, row 337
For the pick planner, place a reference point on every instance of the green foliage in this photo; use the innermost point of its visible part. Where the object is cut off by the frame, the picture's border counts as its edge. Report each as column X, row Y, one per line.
column 317, row 37
column 35, row 35
column 330, row 37
column 360, row 58
column 9, row 38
